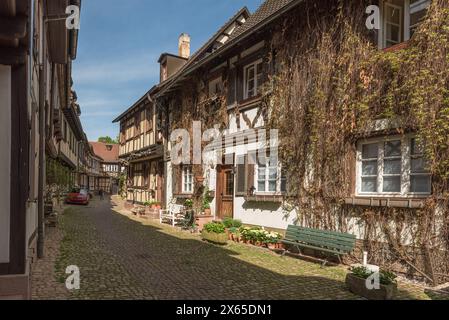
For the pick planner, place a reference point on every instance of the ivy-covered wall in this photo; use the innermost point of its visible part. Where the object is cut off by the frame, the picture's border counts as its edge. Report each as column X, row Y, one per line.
column 332, row 83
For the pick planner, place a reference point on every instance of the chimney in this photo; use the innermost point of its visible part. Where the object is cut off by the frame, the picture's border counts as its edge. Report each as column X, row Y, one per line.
column 184, row 46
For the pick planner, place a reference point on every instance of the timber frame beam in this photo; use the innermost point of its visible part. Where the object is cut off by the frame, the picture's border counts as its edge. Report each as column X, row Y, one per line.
column 13, row 28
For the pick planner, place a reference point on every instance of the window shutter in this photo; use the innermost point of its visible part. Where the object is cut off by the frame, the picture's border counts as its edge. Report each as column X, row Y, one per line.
column 231, row 86
column 240, row 85
column 176, row 180
column 241, row 181
column 250, row 168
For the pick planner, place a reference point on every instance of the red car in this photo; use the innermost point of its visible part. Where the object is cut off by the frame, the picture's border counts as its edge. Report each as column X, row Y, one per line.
column 78, row 196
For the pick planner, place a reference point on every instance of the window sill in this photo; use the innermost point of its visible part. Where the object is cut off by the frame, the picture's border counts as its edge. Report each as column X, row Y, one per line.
column 183, row 195
column 396, row 47
column 249, row 102
column 265, row 198
column 389, row 202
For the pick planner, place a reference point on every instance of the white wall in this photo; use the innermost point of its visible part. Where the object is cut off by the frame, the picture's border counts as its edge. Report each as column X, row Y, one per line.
column 5, row 160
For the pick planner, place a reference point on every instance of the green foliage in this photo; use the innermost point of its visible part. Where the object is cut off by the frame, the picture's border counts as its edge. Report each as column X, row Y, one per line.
column 206, row 199
column 385, row 277
column 231, row 223
column 107, row 140
column 215, row 227
column 188, row 204
column 257, row 234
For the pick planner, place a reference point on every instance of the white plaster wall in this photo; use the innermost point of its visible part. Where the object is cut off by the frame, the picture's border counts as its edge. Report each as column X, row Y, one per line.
column 5, row 161
column 169, row 183
column 270, row 215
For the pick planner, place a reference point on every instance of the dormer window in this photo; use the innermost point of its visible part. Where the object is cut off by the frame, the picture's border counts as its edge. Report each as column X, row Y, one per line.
column 400, row 19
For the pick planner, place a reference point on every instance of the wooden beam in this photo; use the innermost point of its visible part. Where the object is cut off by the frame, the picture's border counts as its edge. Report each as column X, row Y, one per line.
column 12, row 56
column 12, row 28
column 8, row 7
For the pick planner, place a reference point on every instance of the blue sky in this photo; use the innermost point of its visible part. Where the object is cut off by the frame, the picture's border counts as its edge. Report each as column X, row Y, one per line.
column 120, row 42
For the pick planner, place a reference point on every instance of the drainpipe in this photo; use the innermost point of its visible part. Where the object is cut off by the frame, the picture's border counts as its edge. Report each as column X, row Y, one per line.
column 41, row 181
column 43, row 82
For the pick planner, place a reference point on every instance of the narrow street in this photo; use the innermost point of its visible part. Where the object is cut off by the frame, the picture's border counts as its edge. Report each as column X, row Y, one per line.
column 122, row 257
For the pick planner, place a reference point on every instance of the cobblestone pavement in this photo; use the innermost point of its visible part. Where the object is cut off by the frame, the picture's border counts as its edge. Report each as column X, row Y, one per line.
column 123, row 257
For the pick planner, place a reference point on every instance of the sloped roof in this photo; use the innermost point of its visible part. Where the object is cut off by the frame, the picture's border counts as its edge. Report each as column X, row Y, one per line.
column 267, row 9
column 108, row 152
column 266, row 13
column 197, row 56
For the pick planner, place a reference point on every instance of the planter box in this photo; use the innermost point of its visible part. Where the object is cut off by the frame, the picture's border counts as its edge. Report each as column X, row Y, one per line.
column 202, row 220
column 358, row 286
column 217, row 238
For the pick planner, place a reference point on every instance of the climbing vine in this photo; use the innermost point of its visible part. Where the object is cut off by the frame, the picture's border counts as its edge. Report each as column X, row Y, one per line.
column 331, row 83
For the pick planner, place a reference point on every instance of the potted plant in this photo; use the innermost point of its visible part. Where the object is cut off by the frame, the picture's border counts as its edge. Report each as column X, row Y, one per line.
column 156, row 205
column 206, row 202
column 273, row 240
column 188, row 204
column 215, row 232
column 200, row 179
column 235, row 234
column 360, row 281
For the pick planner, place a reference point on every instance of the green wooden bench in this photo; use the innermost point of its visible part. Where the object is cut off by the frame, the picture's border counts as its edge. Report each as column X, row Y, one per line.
column 327, row 242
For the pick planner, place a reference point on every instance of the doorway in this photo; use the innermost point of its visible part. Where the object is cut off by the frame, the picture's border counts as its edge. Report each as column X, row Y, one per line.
column 225, row 192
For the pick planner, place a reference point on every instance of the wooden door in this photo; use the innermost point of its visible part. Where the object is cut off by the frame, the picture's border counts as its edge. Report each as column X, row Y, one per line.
column 225, row 192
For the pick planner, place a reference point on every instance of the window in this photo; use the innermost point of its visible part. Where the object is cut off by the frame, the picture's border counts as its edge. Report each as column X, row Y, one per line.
column 420, row 181
column 187, row 179
column 392, row 166
column 269, row 177
column 393, row 24
column 418, row 10
column 253, row 79
column 400, row 20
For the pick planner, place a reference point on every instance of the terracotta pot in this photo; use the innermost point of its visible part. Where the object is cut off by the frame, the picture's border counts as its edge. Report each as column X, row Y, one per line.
column 207, row 212
column 200, row 179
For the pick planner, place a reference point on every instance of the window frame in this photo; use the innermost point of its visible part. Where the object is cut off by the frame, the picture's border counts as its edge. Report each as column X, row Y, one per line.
column 183, row 181
column 406, row 28
column 254, row 64
column 402, row 23
column 406, row 157
column 279, row 179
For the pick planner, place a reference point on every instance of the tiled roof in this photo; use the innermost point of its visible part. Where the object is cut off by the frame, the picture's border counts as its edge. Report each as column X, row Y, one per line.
column 197, row 56
column 108, row 152
column 269, row 9
column 266, row 10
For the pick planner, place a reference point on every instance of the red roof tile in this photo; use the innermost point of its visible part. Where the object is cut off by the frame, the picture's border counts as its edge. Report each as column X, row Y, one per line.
column 108, row 152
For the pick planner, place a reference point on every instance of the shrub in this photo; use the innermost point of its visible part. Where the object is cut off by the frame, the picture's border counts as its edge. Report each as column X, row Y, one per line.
column 231, row 223
column 385, row 277
column 215, row 227
column 258, row 234
column 188, row 203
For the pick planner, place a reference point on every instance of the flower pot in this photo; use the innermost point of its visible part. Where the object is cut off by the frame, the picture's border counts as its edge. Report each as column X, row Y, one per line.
column 217, row 238
column 358, row 286
column 207, row 212
column 199, row 179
